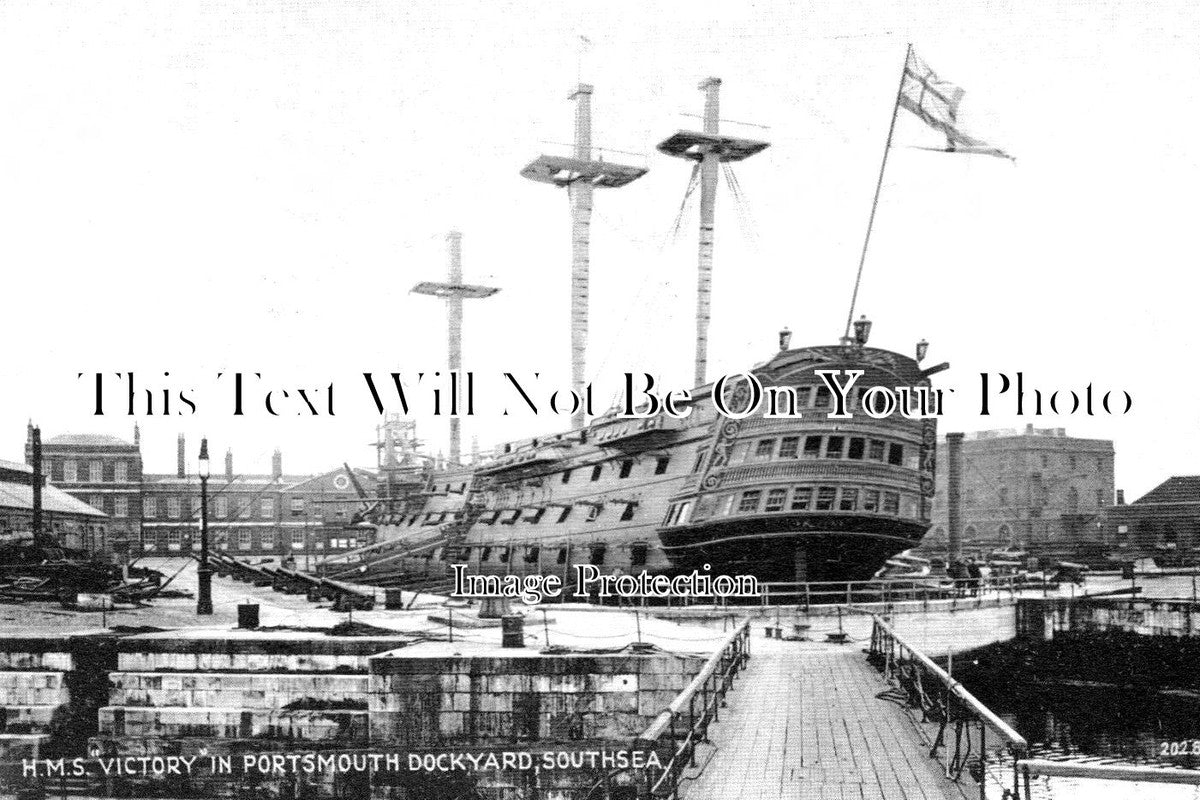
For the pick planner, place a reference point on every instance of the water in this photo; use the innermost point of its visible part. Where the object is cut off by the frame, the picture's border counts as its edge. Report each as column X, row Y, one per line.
column 1099, row 724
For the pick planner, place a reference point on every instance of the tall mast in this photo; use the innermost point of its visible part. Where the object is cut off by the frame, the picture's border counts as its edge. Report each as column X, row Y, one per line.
column 453, row 292
column 581, row 175
column 580, row 194
column 709, row 148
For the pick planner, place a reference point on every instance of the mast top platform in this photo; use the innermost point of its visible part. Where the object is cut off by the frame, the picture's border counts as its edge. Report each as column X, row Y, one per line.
column 695, row 145
column 564, row 170
column 451, row 290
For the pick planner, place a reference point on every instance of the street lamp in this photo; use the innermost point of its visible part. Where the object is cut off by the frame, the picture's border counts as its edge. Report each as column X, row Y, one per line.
column 204, row 595
column 862, row 330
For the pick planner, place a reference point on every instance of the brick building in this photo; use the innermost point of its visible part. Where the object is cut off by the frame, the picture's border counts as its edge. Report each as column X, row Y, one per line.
column 75, row 524
column 268, row 514
column 102, row 471
column 1164, row 524
column 1037, row 490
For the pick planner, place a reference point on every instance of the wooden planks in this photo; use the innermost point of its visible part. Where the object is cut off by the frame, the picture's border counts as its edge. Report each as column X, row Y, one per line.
column 812, row 721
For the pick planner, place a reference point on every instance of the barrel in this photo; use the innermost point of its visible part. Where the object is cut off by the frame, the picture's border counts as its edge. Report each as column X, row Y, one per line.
column 512, row 630
column 248, row 615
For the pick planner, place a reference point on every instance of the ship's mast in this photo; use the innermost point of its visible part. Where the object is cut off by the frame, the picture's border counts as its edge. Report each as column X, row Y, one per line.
column 581, row 175
column 453, row 291
column 710, row 149
column 580, row 194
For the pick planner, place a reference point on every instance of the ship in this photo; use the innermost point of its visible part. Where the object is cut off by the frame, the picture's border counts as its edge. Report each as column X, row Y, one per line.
column 803, row 496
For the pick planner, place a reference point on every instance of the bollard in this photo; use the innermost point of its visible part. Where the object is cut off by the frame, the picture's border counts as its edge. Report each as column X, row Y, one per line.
column 247, row 615
column 512, row 627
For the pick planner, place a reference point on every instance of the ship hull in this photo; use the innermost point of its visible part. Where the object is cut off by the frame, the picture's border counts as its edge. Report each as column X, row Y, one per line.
column 790, row 549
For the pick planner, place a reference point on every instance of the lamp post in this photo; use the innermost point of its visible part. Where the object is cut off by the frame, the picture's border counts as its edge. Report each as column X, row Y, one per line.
column 204, row 595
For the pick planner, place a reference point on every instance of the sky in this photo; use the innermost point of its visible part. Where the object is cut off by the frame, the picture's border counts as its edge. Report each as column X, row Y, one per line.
column 197, row 188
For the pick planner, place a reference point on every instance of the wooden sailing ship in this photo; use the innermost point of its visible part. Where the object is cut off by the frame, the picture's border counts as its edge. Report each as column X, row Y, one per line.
column 802, row 497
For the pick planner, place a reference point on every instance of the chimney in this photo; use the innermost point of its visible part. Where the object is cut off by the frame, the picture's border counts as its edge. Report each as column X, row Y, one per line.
column 181, row 466
column 229, row 465
column 954, row 495
column 35, row 437
column 1120, row 497
column 277, row 465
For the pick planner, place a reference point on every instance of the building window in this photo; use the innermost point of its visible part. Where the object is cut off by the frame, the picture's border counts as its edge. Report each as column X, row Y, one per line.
column 562, row 555
column 297, row 506
column 764, row 450
column 802, row 498
column 297, row 540
column 566, row 512
column 789, row 447
column 1099, row 497
column 244, row 540
column 267, row 507
column 857, row 448
column 598, row 551
column 121, row 472
column 1003, row 496
column 725, row 505
column 849, row 500
column 699, row 460
column 267, row 540
column 174, row 540
column 222, row 507
column 69, row 472
column 833, row 446
column 637, row 554
column 776, row 499
column 891, row 503
column 173, row 507
column 825, row 497
column 749, row 502
column 95, row 472
column 96, row 502
column 596, row 470
column 592, row 513
column 626, row 467
column 875, row 452
column 812, row 447
column 823, row 398
column 246, row 509
column 870, row 501
column 121, row 507
column 150, row 507
column 535, row 517
column 627, row 514
column 1073, row 499
column 47, row 469
column 896, row 454
column 660, row 466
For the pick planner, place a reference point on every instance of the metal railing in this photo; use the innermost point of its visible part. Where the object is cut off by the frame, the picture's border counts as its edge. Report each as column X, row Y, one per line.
column 931, row 691
column 676, row 731
column 884, row 590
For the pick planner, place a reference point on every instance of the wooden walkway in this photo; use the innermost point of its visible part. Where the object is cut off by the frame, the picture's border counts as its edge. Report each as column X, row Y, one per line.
column 806, row 721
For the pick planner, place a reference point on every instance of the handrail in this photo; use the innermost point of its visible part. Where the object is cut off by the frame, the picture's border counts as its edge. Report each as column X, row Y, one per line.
column 1014, row 739
column 1111, row 772
column 955, row 711
column 709, row 686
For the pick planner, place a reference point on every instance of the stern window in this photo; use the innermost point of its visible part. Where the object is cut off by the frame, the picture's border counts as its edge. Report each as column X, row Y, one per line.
column 849, row 501
column 825, row 497
column 776, row 499
column 802, row 498
column 789, row 447
column 749, row 502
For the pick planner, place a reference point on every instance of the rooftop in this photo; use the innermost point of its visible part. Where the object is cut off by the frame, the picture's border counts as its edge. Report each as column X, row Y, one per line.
column 88, row 440
column 20, row 496
column 1177, row 489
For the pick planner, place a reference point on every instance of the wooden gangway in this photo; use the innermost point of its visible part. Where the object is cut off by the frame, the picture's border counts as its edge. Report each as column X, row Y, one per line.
column 816, row 721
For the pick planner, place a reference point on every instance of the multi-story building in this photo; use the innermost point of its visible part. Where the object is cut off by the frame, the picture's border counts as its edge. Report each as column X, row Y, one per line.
column 1037, row 490
column 73, row 523
column 102, row 471
column 271, row 514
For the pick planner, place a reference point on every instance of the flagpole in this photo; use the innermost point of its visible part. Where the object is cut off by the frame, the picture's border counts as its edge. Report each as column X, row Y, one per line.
column 862, row 260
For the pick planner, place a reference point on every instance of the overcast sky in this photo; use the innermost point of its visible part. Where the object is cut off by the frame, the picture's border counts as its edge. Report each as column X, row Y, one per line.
column 196, row 187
